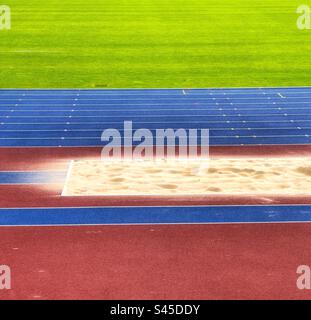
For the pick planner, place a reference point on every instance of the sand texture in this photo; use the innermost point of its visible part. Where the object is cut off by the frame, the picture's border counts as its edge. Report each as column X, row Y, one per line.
column 275, row 176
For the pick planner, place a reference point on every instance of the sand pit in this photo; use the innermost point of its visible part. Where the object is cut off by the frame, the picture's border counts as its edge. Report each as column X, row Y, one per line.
column 275, row 176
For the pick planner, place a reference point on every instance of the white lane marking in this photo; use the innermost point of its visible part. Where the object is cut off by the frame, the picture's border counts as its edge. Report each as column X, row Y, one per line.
column 252, row 143
column 121, row 130
column 98, row 111
column 98, row 137
column 160, row 104
column 68, row 175
column 153, row 122
column 280, row 95
column 162, row 115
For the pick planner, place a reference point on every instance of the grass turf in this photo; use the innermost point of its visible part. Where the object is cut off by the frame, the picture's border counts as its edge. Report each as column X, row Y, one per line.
column 154, row 43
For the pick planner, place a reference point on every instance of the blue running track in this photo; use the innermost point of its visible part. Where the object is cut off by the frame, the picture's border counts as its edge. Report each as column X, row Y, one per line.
column 154, row 215
column 43, row 118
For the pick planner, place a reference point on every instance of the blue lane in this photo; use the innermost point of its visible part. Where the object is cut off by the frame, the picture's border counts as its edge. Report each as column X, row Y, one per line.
column 85, row 126
column 97, row 133
column 206, row 113
column 152, row 100
column 155, row 215
column 164, row 101
column 35, row 177
column 76, row 117
column 159, row 119
column 6, row 108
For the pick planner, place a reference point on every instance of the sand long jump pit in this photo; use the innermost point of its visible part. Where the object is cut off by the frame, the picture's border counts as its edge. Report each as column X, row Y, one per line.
column 191, row 177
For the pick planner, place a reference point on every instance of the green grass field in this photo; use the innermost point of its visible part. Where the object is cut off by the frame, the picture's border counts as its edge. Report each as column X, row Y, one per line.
column 154, row 43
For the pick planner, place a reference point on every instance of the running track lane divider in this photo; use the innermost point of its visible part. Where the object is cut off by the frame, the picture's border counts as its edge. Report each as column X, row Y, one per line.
column 155, row 215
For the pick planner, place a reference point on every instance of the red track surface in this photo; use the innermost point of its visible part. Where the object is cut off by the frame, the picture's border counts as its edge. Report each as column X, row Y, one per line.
column 147, row 262
column 156, row 262
column 32, row 196
column 57, row 158
column 15, row 159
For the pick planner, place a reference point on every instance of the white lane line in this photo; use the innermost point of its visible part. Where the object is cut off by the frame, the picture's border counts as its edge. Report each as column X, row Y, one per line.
column 153, row 122
column 249, row 143
column 121, row 130
column 161, row 115
column 162, row 104
column 103, row 103
column 283, row 97
column 171, row 97
column 98, row 137
column 98, row 111
column 68, row 175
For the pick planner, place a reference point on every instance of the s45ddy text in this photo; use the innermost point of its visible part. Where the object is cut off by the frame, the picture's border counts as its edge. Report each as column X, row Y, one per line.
column 165, row 309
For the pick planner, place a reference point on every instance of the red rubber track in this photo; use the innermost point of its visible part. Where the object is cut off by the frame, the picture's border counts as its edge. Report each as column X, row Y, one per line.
column 15, row 159
column 33, row 196
column 257, row 261
column 54, row 158
column 156, row 262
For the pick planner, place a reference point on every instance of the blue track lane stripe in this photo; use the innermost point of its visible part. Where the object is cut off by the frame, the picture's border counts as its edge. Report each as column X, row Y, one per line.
column 155, row 215
column 32, row 177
